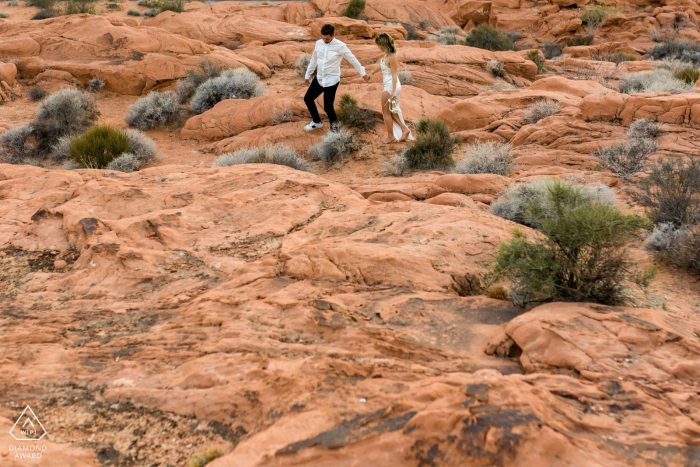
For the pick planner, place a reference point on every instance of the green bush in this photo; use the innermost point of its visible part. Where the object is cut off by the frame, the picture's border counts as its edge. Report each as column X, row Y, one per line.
column 42, row 4
column 178, row 6
column 203, row 459
column 682, row 50
column 486, row 37
column 595, row 15
column 580, row 256
column 616, row 58
column 552, row 50
column 534, row 56
column 580, row 40
column 354, row 9
column 98, row 146
column 689, row 75
column 350, row 114
column 74, row 7
column 432, row 148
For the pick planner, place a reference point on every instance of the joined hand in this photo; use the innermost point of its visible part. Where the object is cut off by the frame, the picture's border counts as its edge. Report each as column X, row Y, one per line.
column 366, row 78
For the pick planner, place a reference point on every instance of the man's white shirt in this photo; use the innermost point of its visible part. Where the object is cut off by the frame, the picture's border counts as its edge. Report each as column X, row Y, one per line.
column 327, row 58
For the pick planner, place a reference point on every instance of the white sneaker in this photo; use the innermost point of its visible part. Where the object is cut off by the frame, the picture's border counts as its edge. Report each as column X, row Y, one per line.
column 313, row 126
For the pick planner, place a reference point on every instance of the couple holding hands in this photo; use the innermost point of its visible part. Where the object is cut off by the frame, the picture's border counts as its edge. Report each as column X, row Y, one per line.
column 326, row 58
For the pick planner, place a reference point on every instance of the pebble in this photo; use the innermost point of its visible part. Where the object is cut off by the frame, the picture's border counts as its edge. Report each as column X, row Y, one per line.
column 114, row 406
column 362, row 400
column 59, row 264
column 205, row 226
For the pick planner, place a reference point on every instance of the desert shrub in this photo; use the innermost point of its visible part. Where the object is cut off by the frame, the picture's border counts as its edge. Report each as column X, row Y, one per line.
column 98, row 146
column 677, row 245
column 643, row 128
column 74, row 7
column 581, row 255
column 671, row 192
column 542, row 109
column 432, row 148
column 150, row 13
column 12, row 3
column 425, row 23
column 133, row 12
column 350, row 114
column 142, row 148
column 405, row 77
column 186, row 87
column 687, row 75
column 148, row 3
column 124, row 163
column 156, row 110
column 66, row 112
column 513, row 35
column 411, row 33
column 534, row 56
column 397, row 166
column 655, row 35
column 653, row 81
column 113, row 6
column 486, row 157
column 4, row 14
column 354, row 9
column 96, row 84
column 551, row 50
column 486, row 37
column 45, row 13
column 594, row 16
column 454, row 30
column 580, row 40
column 42, row 4
column 500, row 86
column 512, row 204
column 280, row 155
column 203, row 459
column 239, row 83
column 333, row 145
column 280, row 116
column 627, row 159
column 444, row 39
column 302, row 64
column 495, row 67
column 618, row 57
column 15, row 145
column 178, row 6
column 683, row 50
column 36, row 93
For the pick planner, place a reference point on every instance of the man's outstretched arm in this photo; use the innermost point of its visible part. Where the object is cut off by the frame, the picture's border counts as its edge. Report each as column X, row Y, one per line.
column 347, row 55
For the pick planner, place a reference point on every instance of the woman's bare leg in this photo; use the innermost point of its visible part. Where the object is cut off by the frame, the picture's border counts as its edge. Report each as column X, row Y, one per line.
column 405, row 131
column 388, row 119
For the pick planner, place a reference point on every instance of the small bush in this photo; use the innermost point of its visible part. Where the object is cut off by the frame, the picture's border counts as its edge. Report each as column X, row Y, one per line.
column 628, row 159
column 425, row 23
column 113, row 6
column 239, row 83
column 4, row 14
column 534, row 56
column 333, row 145
column 671, row 192
column 156, row 110
column 36, row 93
column 653, row 81
column 644, row 277
column 178, row 6
column 678, row 246
column 486, row 158
column 495, row 67
column 42, row 4
column 500, row 86
column 75, row 7
column 405, row 77
column 486, row 37
column 580, row 40
column 432, row 148
column 280, row 116
column 45, row 13
column 142, row 148
column 581, row 255
column 133, row 12
column 98, row 146
column 188, row 86
column 552, row 50
column 443, row 39
column 280, row 155
column 354, row 9
column 66, row 112
column 513, row 203
column 350, row 114
column 397, row 167
column 124, row 163
column 542, row 109
column 594, row 16
column 203, row 459
column 302, row 64
column 643, row 128
column 683, row 50
column 96, row 84
column 15, row 145
column 12, row 3
column 148, row 3
column 411, row 33
column 655, row 35
column 687, row 75
column 151, row 13
column 618, row 57
column 513, row 35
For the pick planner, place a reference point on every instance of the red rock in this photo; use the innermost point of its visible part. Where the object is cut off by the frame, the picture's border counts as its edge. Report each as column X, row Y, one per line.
column 389, row 197
column 451, row 199
column 59, row 264
column 469, row 184
column 345, row 28
column 8, row 71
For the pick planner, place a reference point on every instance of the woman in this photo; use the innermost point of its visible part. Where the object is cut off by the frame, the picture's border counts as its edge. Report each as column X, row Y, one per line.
column 396, row 129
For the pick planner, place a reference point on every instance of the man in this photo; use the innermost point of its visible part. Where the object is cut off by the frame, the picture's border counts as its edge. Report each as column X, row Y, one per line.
column 328, row 54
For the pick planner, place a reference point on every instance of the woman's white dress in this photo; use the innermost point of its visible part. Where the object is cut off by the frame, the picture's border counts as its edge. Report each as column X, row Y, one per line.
column 388, row 84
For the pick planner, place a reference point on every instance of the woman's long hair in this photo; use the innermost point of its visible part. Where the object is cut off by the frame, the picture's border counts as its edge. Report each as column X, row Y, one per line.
column 386, row 42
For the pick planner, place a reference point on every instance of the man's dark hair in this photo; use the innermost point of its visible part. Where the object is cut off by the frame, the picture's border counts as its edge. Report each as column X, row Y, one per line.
column 328, row 30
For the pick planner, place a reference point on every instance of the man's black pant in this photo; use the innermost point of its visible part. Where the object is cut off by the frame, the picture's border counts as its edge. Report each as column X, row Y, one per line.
column 316, row 90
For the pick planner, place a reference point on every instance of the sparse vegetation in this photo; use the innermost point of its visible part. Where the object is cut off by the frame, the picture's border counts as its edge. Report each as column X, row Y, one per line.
column 350, row 114
column 4, row 14
column 671, row 192
column 411, row 33
column 443, row 39
column 203, row 459
column 280, row 155
column 683, row 50
column 679, row 246
column 618, row 57
column 486, row 37
column 15, row 145
column 542, row 109
column 627, row 159
column 534, row 56
column 96, row 84
column 280, row 116
column 581, row 255
column 354, row 9
column 513, row 35
column 405, row 77
column 595, row 15
column 133, row 12
column 151, row 12
column 486, row 157
column 45, row 13
column 653, row 81
column 186, row 87
column 687, row 75
column 500, row 86
column 495, row 67
column 643, row 128
column 425, row 23
column 302, row 64
column 432, row 148
column 74, row 7
column 156, row 110
column 552, row 50
column 580, row 40
column 239, row 83
column 334, row 145
column 36, row 93
column 66, row 112
column 98, row 146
